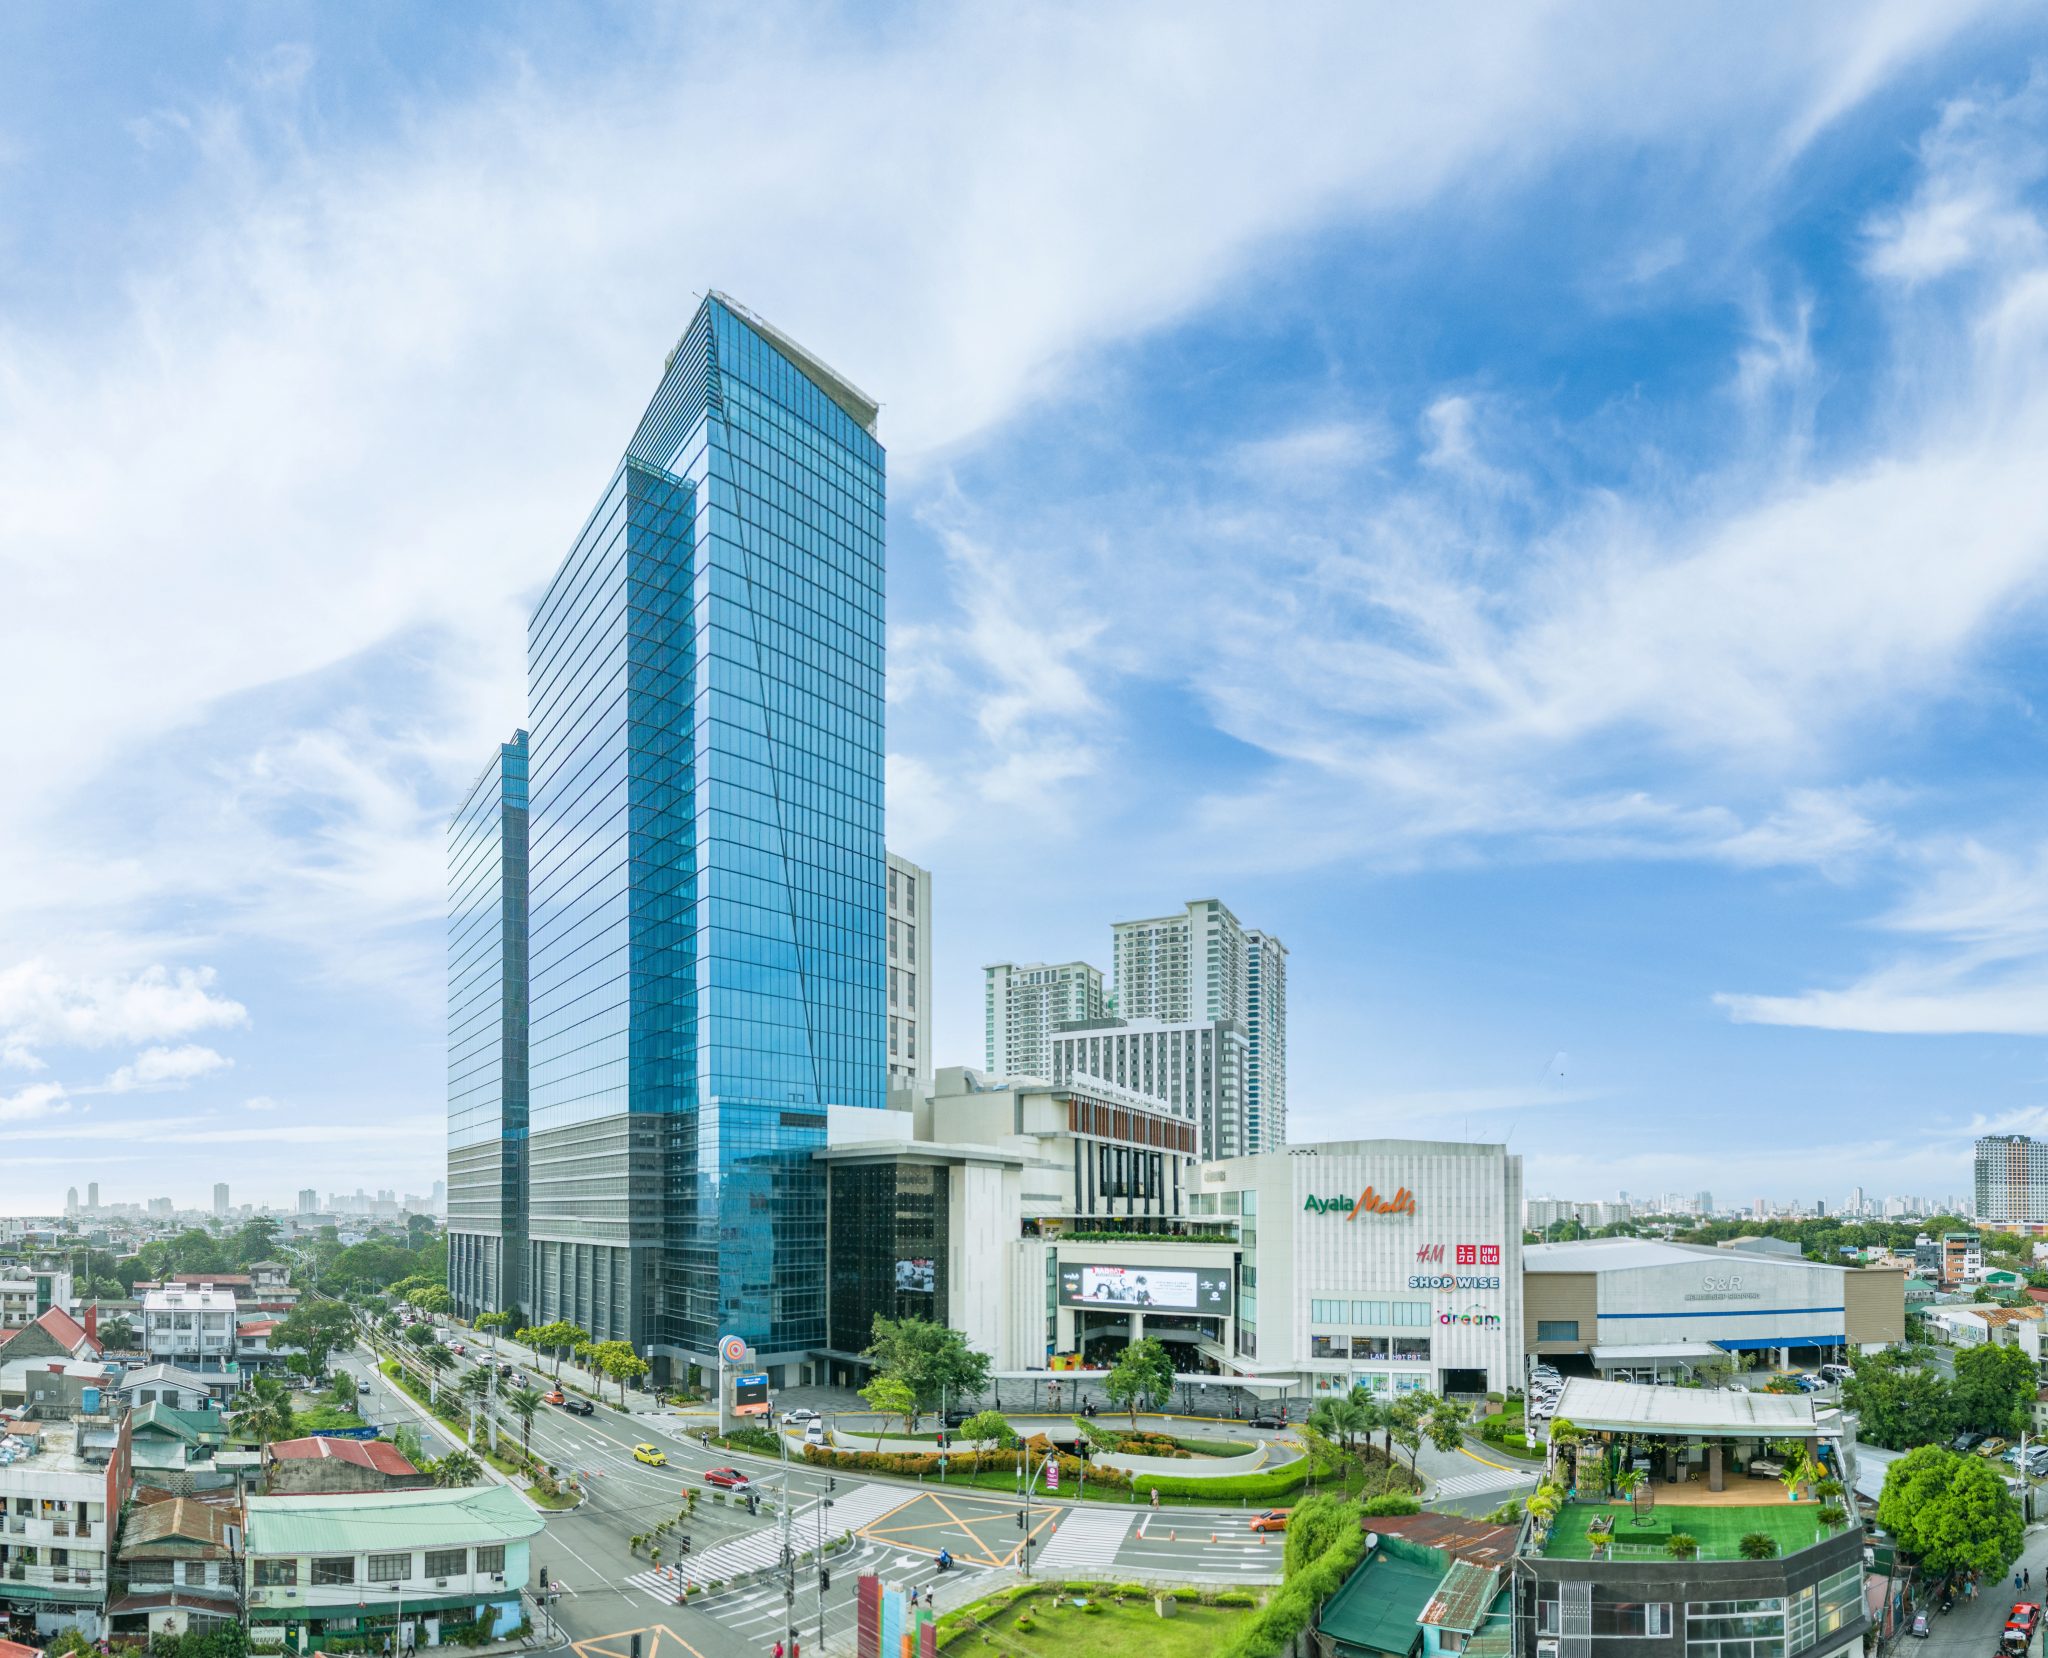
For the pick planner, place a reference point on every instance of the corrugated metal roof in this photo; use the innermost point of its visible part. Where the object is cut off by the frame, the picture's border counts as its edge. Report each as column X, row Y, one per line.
column 1378, row 1606
column 1463, row 1598
column 388, row 1520
column 1632, row 1405
column 1624, row 1254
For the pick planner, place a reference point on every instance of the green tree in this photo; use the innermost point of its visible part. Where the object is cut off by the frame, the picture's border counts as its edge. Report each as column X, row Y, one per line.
column 406, row 1439
column 617, row 1360
column 560, row 1338
column 316, row 1328
column 1953, row 1511
column 889, row 1396
column 525, row 1403
column 117, row 1334
column 255, row 1240
column 1342, row 1417
column 432, row 1298
column 1446, row 1423
column 1899, row 1406
column 1994, row 1389
column 1315, row 1524
column 492, row 1323
column 264, row 1411
column 458, row 1467
column 421, row 1335
column 987, row 1430
column 1142, row 1375
column 935, row 1362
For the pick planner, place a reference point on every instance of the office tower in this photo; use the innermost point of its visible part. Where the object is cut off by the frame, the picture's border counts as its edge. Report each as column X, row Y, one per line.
column 71, row 1200
column 910, row 977
column 1024, row 1004
column 1706, row 1203
column 92, row 1194
column 2012, row 1178
column 707, row 954
column 220, row 1199
column 1200, row 966
column 1197, row 1067
column 439, row 1197
column 487, row 1053
column 309, row 1200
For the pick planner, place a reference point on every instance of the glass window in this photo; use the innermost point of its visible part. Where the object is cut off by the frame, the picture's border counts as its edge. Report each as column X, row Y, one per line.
column 390, row 1568
column 149, row 1571
column 1557, row 1329
column 447, row 1562
column 1369, row 1312
column 1632, row 1617
column 277, row 1574
column 340, row 1569
column 1329, row 1347
column 491, row 1559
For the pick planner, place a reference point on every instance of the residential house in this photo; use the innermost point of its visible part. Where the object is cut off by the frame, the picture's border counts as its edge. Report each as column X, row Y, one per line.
column 408, row 1562
column 1469, row 1600
column 166, row 1384
column 325, row 1466
column 190, row 1326
column 28, row 1290
column 53, row 1334
column 174, row 1449
column 55, row 1390
column 178, row 1566
column 269, row 1275
column 62, row 1487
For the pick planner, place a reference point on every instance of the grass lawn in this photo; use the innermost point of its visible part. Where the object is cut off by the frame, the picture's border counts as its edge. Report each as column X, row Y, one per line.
column 1719, row 1530
column 1067, row 1631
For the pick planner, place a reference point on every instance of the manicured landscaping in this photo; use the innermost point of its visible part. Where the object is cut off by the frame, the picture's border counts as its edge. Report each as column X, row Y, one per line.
column 1029, row 1623
column 1720, row 1531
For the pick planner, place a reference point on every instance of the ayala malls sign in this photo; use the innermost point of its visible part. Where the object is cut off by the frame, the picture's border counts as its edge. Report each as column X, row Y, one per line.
column 1368, row 1202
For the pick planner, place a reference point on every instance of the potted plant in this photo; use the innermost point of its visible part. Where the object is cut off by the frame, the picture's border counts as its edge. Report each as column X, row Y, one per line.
column 1758, row 1545
column 1682, row 1545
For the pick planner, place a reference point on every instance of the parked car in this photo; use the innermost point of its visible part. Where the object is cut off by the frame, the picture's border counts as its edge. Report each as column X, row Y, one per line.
column 1991, row 1447
column 362, row 1387
column 814, row 1431
column 1270, row 1519
column 1811, row 1384
column 728, row 1479
column 1836, row 1372
column 652, row 1455
column 799, row 1416
column 1967, row 1441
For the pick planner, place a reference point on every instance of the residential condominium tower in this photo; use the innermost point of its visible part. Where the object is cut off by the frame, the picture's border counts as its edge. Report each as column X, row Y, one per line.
column 708, row 881
column 487, row 1093
column 2012, row 1178
column 910, row 977
column 1202, row 966
column 1024, row 1005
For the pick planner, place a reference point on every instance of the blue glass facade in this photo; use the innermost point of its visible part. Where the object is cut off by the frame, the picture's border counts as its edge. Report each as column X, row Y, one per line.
column 708, row 872
column 487, row 1037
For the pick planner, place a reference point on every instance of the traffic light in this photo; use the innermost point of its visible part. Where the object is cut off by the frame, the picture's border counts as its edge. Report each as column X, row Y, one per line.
column 543, row 1580
column 831, row 1482
column 942, row 1442
column 1020, row 1519
column 636, row 1646
column 824, row 1577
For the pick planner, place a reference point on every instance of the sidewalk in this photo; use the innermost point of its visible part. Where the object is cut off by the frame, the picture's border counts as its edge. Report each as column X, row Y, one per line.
column 540, row 1368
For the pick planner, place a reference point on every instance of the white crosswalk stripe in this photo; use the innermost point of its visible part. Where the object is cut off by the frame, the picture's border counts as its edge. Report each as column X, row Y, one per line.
column 763, row 1548
column 1488, row 1479
column 1085, row 1538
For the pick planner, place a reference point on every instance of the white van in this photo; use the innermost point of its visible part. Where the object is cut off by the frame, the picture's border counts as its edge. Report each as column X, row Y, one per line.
column 1836, row 1373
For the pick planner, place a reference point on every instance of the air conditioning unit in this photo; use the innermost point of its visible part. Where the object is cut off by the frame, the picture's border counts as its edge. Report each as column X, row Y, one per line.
column 1546, row 1649
column 440, row 1583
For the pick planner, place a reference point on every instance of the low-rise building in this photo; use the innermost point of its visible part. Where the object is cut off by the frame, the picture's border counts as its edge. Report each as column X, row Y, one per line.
column 406, row 1563
column 167, row 1384
column 324, row 1466
column 62, row 1487
column 190, row 1325
column 178, row 1568
column 53, row 1334
column 29, row 1289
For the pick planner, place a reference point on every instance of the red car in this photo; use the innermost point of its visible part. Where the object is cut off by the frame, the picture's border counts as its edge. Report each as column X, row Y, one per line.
column 2020, row 1624
column 731, row 1478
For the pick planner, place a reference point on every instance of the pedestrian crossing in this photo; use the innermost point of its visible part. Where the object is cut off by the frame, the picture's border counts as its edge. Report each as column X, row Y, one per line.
column 760, row 1549
column 1502, row 1480
column 1086, row 1539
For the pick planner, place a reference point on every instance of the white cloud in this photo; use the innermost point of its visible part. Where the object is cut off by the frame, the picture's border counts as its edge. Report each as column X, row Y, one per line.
column 41, row 1005
column 305, row 374
column 262, row 1102
column 167, row 1068
column 38, row 1099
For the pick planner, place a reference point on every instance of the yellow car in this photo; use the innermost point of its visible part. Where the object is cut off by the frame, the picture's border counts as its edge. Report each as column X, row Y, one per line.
column 649, row 1455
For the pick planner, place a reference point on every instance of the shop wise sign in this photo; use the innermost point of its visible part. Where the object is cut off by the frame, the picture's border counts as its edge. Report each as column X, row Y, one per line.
column 1368, row 1202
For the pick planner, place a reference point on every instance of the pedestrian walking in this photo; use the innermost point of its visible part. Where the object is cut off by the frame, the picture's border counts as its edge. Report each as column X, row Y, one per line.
column 778, row 1650
column 2015, row 1582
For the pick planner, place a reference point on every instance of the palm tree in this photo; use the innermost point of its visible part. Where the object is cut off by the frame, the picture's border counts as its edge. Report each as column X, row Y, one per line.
column 265, row 1411
column 458, row 1467
column 525, row 1403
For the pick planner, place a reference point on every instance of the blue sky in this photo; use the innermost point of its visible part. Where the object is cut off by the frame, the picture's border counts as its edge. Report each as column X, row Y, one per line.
column 1545, row 511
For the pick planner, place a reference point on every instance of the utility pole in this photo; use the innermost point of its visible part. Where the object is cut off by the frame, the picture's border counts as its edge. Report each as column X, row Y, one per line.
column 788, row 1560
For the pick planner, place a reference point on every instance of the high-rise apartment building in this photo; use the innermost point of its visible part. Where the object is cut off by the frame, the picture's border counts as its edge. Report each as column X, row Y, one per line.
column 220, row 1198
column 1201, row 965
column 1024, row 1004
column 309, row 1200
column 2012, row 1178
column 92, row 1194
column 1194, row 1066
column 910, row 977
column 708, row 954
column 71, row 1200
column 487, row 1038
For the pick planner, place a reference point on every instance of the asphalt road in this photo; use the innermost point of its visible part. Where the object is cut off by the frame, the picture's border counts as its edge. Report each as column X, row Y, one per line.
column 606, row 1593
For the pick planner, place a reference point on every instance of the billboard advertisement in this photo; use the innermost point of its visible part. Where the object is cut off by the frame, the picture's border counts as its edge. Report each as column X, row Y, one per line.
column 917, row 1275
column 750, row 1395
column 1155, row 1289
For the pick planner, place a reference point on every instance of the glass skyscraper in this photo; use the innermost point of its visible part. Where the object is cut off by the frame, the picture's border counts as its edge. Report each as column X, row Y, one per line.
column 487, row 1038
column 708, row 968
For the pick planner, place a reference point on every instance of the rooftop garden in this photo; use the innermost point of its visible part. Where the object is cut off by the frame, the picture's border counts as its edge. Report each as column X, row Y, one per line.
column 1589, row 1531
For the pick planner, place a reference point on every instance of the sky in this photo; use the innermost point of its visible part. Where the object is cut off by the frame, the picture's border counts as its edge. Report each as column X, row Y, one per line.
column 1543, row 509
